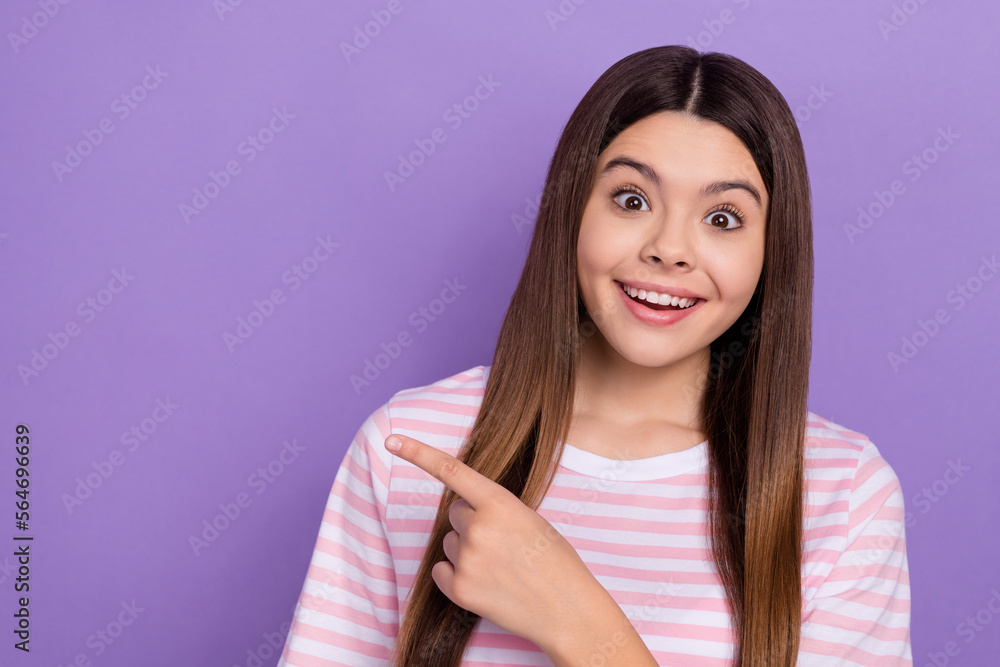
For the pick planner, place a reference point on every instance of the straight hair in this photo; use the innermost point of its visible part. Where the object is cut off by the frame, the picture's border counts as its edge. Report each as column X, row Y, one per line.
column 755, row 390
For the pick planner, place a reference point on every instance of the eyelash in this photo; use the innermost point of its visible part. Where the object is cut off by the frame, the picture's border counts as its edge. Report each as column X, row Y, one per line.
column 728, row 208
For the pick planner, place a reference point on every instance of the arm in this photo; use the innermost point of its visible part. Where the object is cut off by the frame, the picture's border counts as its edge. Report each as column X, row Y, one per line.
column 347, row 612
column 600, row 634
column 860, row 613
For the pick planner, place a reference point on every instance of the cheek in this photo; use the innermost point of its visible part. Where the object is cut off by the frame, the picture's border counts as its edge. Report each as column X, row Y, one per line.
column 596, row 249
column 606, row 240
column 736, row 276
column 600, row 253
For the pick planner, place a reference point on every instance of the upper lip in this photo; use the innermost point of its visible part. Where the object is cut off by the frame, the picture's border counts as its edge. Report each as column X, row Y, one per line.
column 660, row 289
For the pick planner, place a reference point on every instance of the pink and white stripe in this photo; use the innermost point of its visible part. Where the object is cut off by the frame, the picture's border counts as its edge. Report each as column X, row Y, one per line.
column 640, row 525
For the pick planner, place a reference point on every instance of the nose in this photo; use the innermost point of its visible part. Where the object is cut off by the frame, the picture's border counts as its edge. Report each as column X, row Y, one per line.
column 671, row 241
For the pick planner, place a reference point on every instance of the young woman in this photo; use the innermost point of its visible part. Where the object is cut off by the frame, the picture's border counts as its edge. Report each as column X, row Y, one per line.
column 636, row 479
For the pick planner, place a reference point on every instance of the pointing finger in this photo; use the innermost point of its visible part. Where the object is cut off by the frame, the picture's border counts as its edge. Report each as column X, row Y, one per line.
column 460, row 478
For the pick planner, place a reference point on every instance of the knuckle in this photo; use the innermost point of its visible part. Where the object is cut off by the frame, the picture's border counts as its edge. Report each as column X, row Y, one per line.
column 448, row 468
column 473, row 533
column 507, row 503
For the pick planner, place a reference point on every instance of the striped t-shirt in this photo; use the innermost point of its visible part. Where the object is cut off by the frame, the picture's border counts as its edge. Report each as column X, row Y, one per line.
column 639, row 525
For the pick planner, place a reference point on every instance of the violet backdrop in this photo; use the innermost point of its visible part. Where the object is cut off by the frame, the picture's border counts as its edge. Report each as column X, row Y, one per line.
column 170, row 169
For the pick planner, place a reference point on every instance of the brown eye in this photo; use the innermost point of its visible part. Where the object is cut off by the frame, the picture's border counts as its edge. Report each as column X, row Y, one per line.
column 721, row 220
column 631, row 201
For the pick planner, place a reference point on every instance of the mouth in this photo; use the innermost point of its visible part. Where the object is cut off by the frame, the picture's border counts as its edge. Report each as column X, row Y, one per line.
column 676, row 303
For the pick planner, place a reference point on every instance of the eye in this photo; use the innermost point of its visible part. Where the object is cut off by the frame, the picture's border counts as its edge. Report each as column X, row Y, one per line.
column 723, row 216
column 633, row 202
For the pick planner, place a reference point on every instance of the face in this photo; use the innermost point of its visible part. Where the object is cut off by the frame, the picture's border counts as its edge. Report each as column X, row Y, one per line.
column 672, row 210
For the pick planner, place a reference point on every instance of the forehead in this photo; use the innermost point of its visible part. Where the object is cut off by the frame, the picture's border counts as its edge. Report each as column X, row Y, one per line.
column 681, row 148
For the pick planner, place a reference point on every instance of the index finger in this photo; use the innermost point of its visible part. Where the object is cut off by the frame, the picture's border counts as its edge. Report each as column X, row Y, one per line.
column 460, row 478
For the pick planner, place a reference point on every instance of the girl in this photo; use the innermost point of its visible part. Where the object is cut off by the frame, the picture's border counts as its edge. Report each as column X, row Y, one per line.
column 637, row 479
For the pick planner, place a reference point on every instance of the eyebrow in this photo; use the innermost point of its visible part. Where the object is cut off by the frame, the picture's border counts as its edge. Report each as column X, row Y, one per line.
column 711, row 189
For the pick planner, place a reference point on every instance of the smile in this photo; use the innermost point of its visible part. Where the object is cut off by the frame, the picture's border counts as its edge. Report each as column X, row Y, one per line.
column 658, row 301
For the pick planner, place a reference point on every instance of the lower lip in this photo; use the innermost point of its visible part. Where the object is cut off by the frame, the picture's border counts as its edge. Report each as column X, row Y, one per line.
column 655, row 317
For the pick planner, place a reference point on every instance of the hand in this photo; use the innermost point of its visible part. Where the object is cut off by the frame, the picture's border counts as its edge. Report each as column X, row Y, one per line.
column 505, row 562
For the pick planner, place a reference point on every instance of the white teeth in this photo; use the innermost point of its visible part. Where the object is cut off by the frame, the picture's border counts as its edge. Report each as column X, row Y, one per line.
column 661, row 299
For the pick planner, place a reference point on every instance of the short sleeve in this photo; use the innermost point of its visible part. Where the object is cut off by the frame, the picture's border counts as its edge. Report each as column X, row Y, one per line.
column 347, row 613
column 860, row 614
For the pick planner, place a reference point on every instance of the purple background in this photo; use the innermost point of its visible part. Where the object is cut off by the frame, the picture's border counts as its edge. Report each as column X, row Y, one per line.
column 883, row 99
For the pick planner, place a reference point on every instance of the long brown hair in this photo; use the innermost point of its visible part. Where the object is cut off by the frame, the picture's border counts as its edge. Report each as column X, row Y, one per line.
column 754, row 399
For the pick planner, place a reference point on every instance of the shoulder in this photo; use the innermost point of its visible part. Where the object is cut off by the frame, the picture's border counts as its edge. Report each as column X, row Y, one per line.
column 846, row 475
column 452, row 399
column 823, row 436
column 441, row 413
column 834, row 450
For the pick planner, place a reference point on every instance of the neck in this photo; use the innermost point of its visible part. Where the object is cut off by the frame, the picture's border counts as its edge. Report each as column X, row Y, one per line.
column 611, row 388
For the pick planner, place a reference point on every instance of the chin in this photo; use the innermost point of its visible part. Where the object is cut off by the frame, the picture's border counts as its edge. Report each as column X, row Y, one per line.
column 645, row 355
